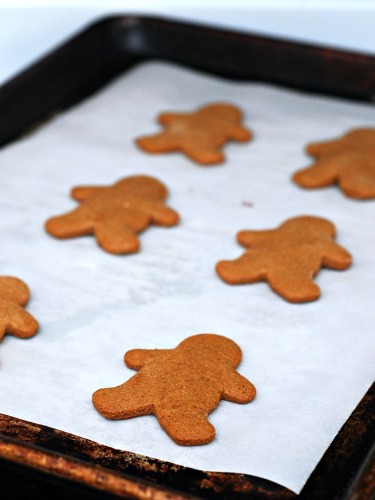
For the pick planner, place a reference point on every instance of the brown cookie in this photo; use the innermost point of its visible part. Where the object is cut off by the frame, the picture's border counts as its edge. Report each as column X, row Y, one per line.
column 14, row 320
column 200, row 135
column 115, row 214
column 287, row 257
column 348, row 162
column 179, row 386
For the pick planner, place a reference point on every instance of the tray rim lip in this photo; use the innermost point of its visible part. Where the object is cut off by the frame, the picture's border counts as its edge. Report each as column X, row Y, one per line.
column 137, row 20
column 44, row 459
column 78, row 471
column 344, row 60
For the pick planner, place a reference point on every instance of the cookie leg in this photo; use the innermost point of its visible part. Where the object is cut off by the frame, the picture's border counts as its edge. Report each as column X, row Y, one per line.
column 70, row 225
column 116, row 238
column 320, row 174
column 127, row 400
column 185, row 427
column 294, row 287
column 361, row 186
column 204, row 155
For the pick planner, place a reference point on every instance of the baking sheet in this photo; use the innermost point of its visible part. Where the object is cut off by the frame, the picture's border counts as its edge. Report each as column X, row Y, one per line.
column 311, row 363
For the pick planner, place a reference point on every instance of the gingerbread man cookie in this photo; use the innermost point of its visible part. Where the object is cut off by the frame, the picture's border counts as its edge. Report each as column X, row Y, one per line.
column 287, row 257
column 199, row 135
column 348, row 162
column 14, row 320
column 179, row 386
column 115, row 214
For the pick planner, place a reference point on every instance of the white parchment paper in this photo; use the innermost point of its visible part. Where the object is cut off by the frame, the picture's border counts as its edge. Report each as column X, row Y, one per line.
column 311, row 363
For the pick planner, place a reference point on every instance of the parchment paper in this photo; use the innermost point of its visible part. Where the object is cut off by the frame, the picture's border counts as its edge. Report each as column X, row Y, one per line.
column 311, row 363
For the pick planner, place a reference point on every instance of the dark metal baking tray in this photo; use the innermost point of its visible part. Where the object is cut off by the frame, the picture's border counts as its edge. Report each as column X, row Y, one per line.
column 40, row 462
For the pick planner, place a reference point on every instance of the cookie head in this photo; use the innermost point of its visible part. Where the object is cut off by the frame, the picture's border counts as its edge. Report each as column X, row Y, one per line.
column 224, row 112
column 143, row 186
column 212, row 346
column 307, row 228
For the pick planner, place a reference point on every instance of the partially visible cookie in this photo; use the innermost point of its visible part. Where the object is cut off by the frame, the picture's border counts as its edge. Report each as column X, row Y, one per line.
column 348, row 162
column 179, row 386
column 116, row 214
column 200, row 135
column 287, row 258
column 14, row 320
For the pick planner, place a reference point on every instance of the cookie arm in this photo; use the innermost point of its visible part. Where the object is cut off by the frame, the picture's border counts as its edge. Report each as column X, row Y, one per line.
column 240, row 133
column 16, row 321
column 167, row 118
column 137, row 358
column 160, row 214
column 80, row 193
column 238, row 389
column 14, row 289
column 337, row 257
column 158, row 143
column 323, row 148
column 252, row 238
